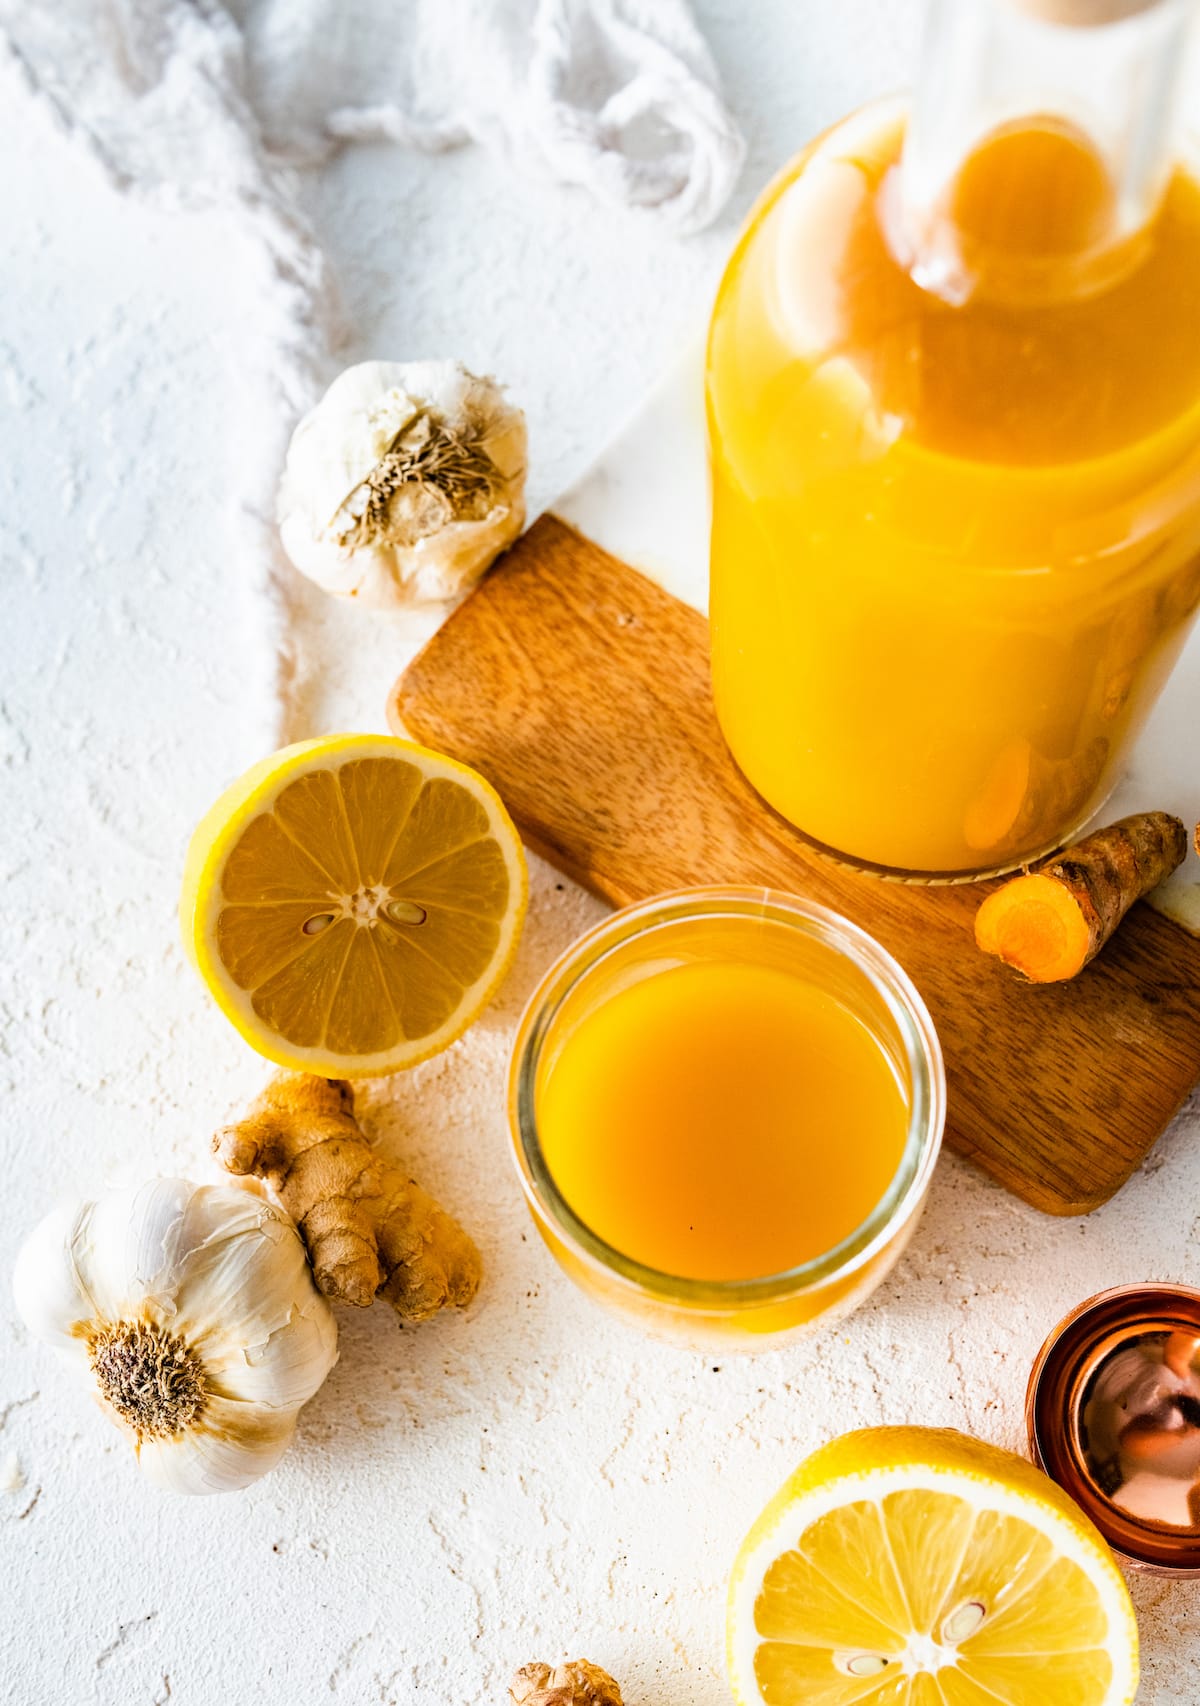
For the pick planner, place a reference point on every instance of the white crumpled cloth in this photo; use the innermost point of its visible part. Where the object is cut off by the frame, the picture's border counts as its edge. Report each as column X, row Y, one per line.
column 620, row 96
column 207, row 105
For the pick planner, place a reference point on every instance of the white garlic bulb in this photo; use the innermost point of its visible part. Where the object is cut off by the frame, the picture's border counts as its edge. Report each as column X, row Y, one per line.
column 404, row 483
column 194, row 1310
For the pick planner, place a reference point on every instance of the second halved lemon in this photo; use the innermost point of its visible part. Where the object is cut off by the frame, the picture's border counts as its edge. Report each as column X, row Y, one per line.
column 917, row 1567
column 353, row 903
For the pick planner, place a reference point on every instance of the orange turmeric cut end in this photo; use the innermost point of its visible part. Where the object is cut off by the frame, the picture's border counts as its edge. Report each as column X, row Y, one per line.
column 1050, row 923
column 1036, row 925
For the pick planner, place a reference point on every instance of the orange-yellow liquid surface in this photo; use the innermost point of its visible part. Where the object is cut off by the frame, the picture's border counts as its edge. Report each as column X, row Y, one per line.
column 721, row 1120
column 955, row 549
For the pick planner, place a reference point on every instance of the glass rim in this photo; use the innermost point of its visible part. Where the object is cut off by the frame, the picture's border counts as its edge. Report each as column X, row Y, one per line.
column 888, row 980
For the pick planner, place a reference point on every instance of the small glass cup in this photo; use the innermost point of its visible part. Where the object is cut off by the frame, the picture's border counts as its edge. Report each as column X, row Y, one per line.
column 827, row 951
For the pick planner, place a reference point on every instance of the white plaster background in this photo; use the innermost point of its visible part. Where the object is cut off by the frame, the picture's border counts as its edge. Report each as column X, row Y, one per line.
column 530, row 1479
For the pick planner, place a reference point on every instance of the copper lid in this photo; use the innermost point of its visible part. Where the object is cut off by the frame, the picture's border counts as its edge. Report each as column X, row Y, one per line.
column 1113, row 1412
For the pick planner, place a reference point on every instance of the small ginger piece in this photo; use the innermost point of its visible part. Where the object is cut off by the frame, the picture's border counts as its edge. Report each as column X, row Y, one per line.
column 369, row 1231
column 1051, row 922
column 576, row 1684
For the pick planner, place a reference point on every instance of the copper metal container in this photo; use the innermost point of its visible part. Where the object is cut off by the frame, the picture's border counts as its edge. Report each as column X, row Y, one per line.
column 1113, row 1412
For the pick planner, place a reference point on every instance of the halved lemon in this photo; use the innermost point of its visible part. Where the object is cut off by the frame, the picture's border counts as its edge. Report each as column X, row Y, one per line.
column 917, row 1567
column 353, row 903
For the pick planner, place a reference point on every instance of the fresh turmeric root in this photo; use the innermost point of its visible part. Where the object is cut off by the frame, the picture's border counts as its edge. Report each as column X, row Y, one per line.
column 576, row 1684
column 1049, row 923
column 369, row 1231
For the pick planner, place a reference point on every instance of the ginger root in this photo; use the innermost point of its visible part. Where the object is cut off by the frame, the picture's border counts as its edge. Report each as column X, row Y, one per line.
column 576, row 1684
column 1051, row 922
column 369, row 1231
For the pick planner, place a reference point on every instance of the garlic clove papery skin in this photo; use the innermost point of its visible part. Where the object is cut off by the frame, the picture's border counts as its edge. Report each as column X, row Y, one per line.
column 46, row 1284
column 432, row 544
column 119, row 1256
column 233, row 1446
column 128, row 1248
column 247, row 1304
column 193, row 1311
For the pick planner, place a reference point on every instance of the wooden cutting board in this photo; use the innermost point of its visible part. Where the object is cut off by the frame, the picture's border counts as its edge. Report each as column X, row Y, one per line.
column 581, row 690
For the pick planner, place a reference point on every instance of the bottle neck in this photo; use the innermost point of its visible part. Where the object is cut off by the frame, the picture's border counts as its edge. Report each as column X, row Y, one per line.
column 1042, row 136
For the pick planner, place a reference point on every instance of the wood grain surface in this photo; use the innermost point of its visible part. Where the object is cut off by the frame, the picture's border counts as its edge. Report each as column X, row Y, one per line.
column 581, row 690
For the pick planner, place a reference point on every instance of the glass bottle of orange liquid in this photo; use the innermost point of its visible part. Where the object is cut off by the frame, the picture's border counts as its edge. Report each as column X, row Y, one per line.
column 954, row 420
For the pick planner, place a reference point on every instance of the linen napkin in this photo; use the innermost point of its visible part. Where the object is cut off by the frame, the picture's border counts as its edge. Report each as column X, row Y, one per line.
column 205, row 105
column 620, row 96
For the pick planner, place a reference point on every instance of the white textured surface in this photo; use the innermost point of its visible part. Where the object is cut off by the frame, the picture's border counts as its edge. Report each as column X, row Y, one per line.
column 530, row 1479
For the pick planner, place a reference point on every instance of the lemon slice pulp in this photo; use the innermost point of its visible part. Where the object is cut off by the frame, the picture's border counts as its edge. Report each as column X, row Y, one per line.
column 353, row 903
column 917, row 1567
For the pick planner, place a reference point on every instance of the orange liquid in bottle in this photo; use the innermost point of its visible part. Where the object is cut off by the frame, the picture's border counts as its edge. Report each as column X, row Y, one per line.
column 954, row 547
column 722, row 1120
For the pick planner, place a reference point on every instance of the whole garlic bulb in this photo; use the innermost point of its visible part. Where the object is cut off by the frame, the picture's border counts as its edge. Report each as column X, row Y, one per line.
column 195, row 1312
column 404, row 483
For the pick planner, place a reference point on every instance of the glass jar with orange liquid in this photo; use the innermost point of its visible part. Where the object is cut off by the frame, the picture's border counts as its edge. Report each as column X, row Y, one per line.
column 726, row 1105
column 954, row 420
